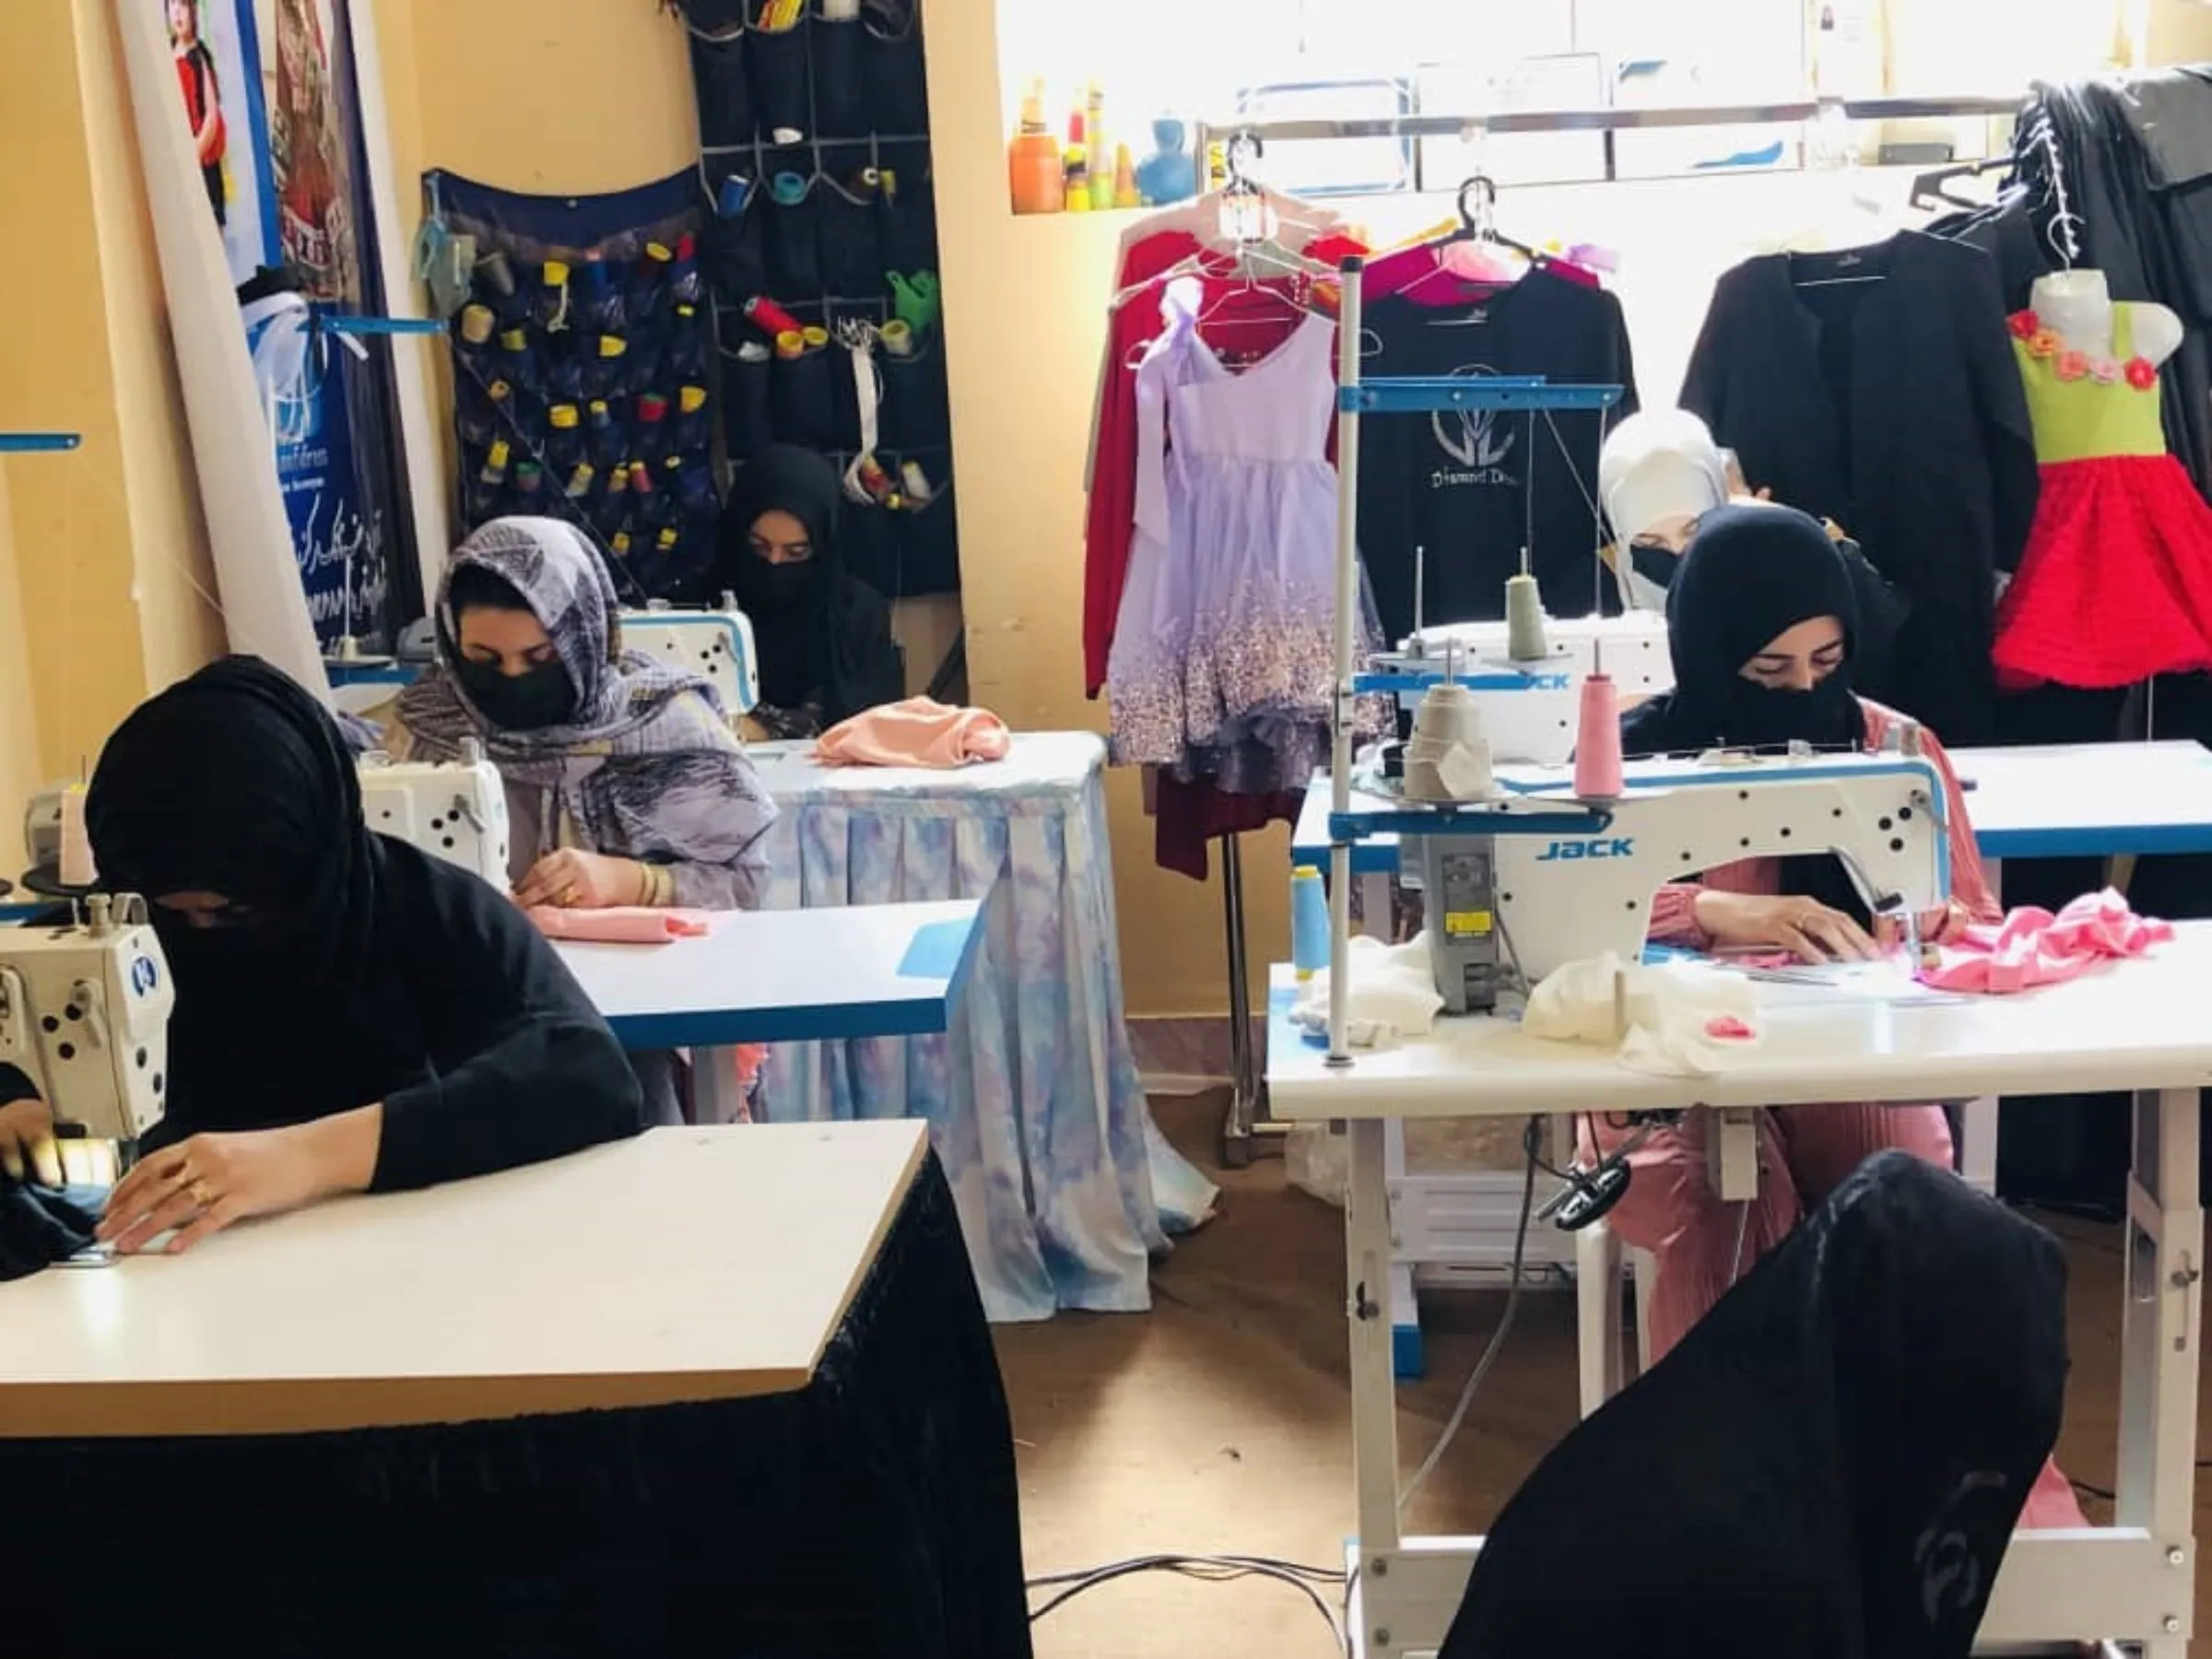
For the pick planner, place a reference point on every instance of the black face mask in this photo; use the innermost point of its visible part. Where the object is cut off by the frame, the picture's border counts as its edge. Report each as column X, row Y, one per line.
column 235, row 939
column 539, row 697
column 780, row 586
column 1766, row 716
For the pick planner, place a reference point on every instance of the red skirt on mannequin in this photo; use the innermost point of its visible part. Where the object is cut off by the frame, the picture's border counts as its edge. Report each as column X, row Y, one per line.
column 2116, row 581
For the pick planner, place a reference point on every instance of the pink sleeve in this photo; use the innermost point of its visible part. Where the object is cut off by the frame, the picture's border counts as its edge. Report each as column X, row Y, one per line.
column 1675, row 916
column 1969, row 881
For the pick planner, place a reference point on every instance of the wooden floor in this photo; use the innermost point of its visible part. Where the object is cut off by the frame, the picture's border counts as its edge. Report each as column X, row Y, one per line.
column 1217, row 1423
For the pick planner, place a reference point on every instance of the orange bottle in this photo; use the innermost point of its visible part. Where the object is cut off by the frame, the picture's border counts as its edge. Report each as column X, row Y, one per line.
column 1033, row 172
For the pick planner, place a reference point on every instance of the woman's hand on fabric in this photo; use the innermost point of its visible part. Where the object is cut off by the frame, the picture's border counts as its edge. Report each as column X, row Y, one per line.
column 1805, row 928
column 1942, row 926
column 210, row 1181
column 28, row 1150
column 572, row 879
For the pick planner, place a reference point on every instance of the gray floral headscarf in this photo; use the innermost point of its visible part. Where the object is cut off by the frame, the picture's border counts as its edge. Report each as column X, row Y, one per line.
column 648, row 768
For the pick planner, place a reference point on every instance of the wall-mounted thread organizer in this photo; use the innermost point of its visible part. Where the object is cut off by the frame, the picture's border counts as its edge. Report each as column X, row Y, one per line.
column 582, row 372
column 821, row 251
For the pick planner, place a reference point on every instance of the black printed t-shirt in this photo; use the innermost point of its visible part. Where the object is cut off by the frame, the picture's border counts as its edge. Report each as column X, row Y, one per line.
column 1472, row 488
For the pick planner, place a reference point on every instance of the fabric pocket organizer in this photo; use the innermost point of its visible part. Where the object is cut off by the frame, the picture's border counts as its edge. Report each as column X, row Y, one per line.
column 748, row 421
column 929, row 561
column 724, row 90
column 776, row 64
column 840, row 109
column 917, row 410
column 850, row 252
column 803, row 404
column 791, row 238
column 909, row 224
column 736, row 259
column 892, row 79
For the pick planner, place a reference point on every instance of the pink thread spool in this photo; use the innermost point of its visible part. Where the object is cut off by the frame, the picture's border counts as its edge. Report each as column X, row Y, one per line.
column 76, row 867
column 1598, row 769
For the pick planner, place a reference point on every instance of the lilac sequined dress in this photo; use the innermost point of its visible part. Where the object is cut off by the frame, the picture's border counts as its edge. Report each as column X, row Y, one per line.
column 1222, row 656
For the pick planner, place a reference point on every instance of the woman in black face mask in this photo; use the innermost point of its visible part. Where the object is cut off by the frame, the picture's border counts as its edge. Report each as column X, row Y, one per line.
column 1761, row 623
column 351, row 1013
column 625, row 784
column 824, row 635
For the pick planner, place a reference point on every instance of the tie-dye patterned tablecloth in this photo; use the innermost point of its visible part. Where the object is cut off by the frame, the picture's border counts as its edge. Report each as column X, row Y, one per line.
column 1063, row 1183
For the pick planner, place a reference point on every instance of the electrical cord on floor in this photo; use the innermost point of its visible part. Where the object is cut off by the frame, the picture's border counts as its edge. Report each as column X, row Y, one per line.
column 1216, row 1570
column 1505, row 1320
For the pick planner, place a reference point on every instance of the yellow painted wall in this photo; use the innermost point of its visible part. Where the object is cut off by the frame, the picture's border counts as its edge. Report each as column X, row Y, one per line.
column 21, row 763
column 96, row 601
column 560, row 97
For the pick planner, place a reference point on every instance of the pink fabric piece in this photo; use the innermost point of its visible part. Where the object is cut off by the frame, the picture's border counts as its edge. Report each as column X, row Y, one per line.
column 918, row 732
column 2031, row 947
column 622, row 924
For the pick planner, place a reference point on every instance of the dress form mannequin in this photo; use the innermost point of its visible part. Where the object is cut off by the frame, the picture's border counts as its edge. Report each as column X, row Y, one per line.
column 2114, row 586
column 2079, row 306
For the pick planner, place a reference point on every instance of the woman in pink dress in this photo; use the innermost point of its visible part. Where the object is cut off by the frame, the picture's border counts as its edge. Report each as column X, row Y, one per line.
column 1762, row 619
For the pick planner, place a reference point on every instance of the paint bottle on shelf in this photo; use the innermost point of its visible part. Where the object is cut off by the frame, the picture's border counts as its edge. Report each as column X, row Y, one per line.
column 1034, row 177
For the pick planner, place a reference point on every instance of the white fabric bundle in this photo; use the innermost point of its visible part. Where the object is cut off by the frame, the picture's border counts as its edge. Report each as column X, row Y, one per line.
column 1680, row 1022
column 1392, row 993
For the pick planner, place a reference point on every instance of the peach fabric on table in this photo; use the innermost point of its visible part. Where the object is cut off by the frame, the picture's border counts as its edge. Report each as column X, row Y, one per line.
column 2032, row 946
column 918, row 732
column 620, row 924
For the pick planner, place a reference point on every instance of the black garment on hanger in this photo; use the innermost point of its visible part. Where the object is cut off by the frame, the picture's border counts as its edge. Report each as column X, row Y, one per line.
column 1830, row 1464
column 1457, row 484
column 1893, row 406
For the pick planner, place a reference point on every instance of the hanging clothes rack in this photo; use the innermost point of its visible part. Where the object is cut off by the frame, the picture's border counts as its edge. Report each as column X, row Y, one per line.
column 1612, row 121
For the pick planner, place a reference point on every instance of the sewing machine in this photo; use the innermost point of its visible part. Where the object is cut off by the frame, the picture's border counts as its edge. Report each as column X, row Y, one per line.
column 1525, row 902
column 717, row 643
column 456, row 811
column 1529, row 709
column 84, row 1013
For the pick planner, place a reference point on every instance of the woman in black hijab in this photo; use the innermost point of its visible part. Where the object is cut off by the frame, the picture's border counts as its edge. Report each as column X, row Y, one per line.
column 1762, row 627
column 351, row 1013
column 823, row 635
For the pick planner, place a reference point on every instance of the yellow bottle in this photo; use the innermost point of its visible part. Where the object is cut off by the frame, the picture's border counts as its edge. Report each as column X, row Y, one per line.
column 1125, row 192
column 1077, row 177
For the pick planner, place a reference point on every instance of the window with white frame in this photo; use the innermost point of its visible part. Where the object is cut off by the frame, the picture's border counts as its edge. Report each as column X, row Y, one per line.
column 1226, row 61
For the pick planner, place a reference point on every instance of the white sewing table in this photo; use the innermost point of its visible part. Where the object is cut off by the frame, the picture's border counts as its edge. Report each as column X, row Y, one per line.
column 2135, row 1026
column 688, row 1389
column 782, row 976
column 612, row 1278
column 2097, row 800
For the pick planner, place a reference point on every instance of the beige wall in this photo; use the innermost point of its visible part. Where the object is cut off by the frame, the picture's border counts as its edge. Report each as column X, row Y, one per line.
column 99, row 548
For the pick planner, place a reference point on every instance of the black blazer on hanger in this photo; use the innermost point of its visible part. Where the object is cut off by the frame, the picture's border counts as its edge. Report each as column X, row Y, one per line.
column 1893, row 406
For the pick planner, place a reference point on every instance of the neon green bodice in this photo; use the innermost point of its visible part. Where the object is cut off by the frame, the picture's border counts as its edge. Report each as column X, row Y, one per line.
column 2086, row 419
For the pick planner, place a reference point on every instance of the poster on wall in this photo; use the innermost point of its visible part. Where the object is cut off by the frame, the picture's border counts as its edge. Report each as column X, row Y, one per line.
column 269, row 87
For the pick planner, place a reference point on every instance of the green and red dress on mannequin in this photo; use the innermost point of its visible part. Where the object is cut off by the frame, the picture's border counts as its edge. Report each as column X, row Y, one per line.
column 2115, row 584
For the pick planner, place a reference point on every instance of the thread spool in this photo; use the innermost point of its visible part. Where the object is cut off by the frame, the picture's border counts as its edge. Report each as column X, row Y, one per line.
column 77, row 868
column 1309, row 921
column 1523, row 620
column 1447, row 759
column 1597, row 768
column 898, row 338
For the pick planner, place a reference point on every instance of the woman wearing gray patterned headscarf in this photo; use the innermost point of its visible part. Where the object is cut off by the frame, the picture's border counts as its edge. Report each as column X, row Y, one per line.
column 625, row 784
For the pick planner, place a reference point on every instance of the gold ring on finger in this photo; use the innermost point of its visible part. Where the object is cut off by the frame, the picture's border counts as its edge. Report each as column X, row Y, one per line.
column 203, row 1196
